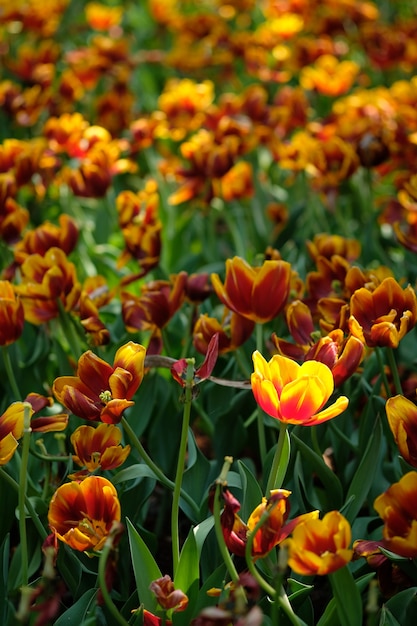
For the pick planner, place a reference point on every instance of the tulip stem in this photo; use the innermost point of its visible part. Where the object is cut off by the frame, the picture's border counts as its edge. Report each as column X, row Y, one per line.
column 260, row 414
column 28, row 505
column 394, row 370
column 104, row 555
column 383, row 372
column 164, row 480
column 277, row 596
column 22, row 493
column 275, row 467
column 188, row 393
column 10, row 373
column 227, row 559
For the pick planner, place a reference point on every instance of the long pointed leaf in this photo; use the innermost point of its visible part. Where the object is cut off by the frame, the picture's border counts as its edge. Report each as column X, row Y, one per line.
column 145, row 567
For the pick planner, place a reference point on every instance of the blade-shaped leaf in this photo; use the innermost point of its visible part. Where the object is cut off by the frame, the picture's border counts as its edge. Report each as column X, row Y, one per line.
column 145, row 567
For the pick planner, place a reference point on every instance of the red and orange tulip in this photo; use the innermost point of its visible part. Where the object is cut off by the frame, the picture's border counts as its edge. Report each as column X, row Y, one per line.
column 12, row 317
column 382, row 317
column 397, row 508
column 11, row 430
column 257, row 293
column 320, row 546
column 82, row 513
column 168, row 597
column 99, row 391
column 402, row 419
column 295, row 394
column 99, row 448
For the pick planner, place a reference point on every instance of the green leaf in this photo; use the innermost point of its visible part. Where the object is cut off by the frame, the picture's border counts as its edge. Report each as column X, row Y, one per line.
column 387, row 618
column 364, row 475
column 331, row 483
column 5, row 606
column 140, row 470
column 251, row 490
column 81, row 611
column 330, row 616
column 347, row 596
column 187, row 577
column 145, row 567
column 403, row 606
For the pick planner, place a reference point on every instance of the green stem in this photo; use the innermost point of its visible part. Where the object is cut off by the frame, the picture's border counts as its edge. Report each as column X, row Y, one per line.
column 189, row 382
column 394, row 370
column 28, row 505
column 260, row 414
column 22, row 492
column 164, row 480
column 382, row 370
column 315, row 441
column 72, row 336
column 10, row 373
column 227, row 559
column 280, row 597
column 104, row 555
column 275, row 468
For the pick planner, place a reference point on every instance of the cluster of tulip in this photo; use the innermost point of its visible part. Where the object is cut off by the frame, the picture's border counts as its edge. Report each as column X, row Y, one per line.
column 231, row 181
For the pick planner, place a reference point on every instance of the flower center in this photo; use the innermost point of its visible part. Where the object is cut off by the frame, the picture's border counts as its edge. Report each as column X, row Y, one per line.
column 105, row 396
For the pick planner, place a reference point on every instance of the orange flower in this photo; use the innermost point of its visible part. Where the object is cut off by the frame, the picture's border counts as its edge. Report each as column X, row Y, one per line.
column 402, row 419
column 11, row 430
column 397, row 508
column 275, row 529
column 45, row 281
column 46, row 236
column 82, row 513
column 382, row 317
column 257, row 293
column 233, row 331
column 152, row 310
column 99, row 448
column 292, row 393
column 45, row 423
column 101, row 392
column 329, row 76
column 320, row 546
column 12, row 317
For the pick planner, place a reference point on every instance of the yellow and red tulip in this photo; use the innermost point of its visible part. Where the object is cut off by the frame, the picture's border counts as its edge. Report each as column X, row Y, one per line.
column 293, row 393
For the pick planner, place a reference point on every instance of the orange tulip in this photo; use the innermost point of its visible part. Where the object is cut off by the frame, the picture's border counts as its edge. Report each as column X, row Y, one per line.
column 402, row 419
column 100, row 391
column 11, row 430
column 99, row 448
column 292, row 393
column 168, row 597
column 82, row 513
column 45, row 281
column 383, row 316
column 257, row 293
column 320, row 546
column 397, row 507
column 275, row 529
column 12, row 317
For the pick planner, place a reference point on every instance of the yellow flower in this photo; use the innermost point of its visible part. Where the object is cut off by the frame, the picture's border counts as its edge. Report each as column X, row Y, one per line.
column 292, row 393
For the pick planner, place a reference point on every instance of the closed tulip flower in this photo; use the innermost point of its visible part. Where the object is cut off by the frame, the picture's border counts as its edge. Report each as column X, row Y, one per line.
column 402, row 419
column 12, row 316
column 257, row 293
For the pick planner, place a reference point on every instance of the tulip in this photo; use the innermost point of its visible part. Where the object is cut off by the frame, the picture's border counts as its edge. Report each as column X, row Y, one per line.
column 99, row 391
column 81, row 514
column 402, row 419
column 257, row 293
column 292, row 393
column 320, row 546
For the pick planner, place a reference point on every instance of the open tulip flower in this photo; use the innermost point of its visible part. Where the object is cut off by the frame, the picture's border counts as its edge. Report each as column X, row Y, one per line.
column 257, row 293
column 293, row 393
column 382, row 317
column 320, row 546
column 99, row 391
column 82, row 513
column 99, row 447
